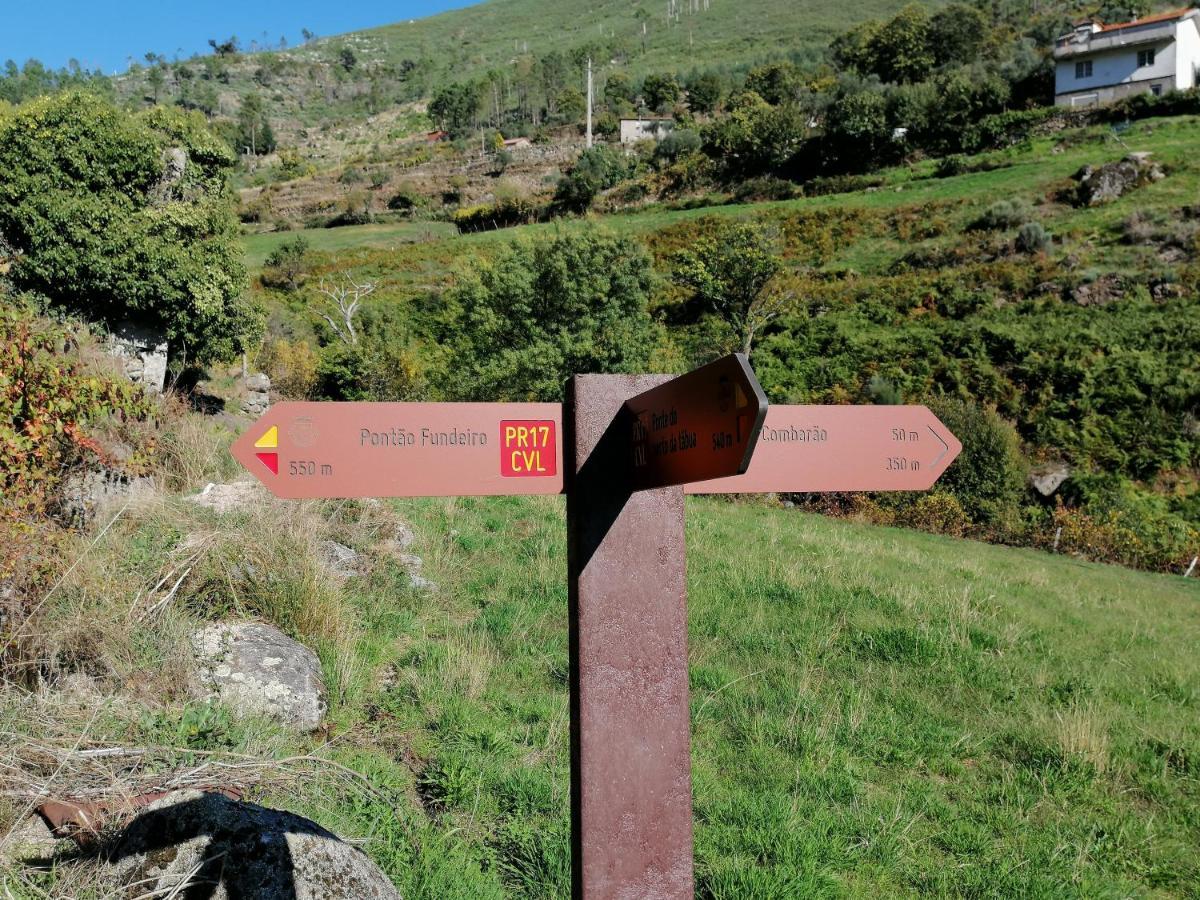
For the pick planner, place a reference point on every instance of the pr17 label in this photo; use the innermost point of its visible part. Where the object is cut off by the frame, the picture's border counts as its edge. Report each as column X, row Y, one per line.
column 527, row 449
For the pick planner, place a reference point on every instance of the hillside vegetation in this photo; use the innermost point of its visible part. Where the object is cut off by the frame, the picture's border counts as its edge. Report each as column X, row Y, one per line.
column 914, row 288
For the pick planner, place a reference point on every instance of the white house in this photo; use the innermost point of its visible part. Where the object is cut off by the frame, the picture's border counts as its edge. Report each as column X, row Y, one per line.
column 1097, row 64
column 646, row 128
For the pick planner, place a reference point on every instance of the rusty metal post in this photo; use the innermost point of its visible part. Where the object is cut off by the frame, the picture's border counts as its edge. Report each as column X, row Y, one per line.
column 631, row 795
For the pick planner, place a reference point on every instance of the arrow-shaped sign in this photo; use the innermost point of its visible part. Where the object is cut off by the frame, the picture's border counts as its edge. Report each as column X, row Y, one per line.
column 844, row 448
column 313, row 450
column 698, row 426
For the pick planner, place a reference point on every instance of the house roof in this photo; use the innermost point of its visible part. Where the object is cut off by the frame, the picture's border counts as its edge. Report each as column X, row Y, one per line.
column 1150, row 20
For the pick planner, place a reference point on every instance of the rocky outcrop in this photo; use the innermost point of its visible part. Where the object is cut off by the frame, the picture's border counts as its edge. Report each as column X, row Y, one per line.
column 143, row 352
column 1101, row 184
column 256, row 669
column 1049, row 477
column 205, row 844
column 85, row 494
column 258, row 395
column 232, row 497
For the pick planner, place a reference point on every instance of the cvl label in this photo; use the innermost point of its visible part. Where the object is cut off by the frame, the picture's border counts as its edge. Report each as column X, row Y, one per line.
column 527, row 449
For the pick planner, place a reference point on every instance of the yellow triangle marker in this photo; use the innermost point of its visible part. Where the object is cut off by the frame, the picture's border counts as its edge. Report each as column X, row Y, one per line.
column 269, row 440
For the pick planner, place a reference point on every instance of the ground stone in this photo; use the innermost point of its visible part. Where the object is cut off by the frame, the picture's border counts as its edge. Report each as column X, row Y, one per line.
column 143, row 351
column 340, row 560
column 1100, row 184
column 230, row 850
column 30, row 842
column 256, row 669
column 1048, row 478
column 259, row 381
column 236, row 495
column 85, row 494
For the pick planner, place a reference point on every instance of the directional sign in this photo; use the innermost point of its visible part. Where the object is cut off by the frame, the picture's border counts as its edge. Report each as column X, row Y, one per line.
column 311, row 450
column 698, row 426
column 844, row 448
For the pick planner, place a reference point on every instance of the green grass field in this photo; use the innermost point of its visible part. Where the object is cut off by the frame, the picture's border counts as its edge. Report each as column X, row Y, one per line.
column 874, row 712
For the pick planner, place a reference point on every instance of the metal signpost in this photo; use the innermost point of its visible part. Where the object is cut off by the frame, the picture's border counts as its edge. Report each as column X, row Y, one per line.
column 624, row 449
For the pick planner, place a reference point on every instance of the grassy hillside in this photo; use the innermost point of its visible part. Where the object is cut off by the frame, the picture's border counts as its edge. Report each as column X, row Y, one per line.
column 875, row 712
column 466, row 42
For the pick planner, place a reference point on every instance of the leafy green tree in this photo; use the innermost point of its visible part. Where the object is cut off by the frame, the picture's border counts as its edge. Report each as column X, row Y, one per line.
column 900, row 51
column 660, row 91
column 956, row 33
column 619, row 93
column 851, row 50
column 254, row 129
column 572, row 105
column 776, row 82
column 596, row 170
column 755, row 138
column 454, row 108
column 858, row 135
column 704, row 93
column 544, row 311
column 346, row 59
column 118, row 216
column 730, row 273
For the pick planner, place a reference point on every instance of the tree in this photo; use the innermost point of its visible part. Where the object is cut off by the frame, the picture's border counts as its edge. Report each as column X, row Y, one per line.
column 543, row 311
column 704, row 93
column 572, row 105
column 307, row 35
column 254, row 129
column 619, row 94
column 858, row 135
column 660, row 91
column 345, row 299
column 776, row 82
column 596, row 170
column 730, row 273
column 157, row 79
column 287, row 264
column 755, row 138
column 346, row 59
column 956, row 34
column 106, row 229
column 454, row 108
column 900, row 51
column 224, row 48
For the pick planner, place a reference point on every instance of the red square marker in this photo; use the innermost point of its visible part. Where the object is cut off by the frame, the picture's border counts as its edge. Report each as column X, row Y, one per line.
column 528, row 449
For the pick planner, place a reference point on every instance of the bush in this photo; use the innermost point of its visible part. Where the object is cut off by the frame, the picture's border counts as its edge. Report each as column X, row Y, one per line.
column 679, row 142
column 49, row 403
column 504, row 213
column 1033, row 238
column 1002, row 215
column 292, row 366
column 988, row 478
column 840, row 184
column 286, row 265
column 758, row 190
column 544, row 311
column 106, row 229
column 596, row 170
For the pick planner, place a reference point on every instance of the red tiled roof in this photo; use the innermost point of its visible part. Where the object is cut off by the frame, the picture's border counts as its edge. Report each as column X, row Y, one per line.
column 1149, row 20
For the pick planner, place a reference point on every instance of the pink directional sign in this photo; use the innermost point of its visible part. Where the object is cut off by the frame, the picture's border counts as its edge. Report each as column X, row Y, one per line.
column 843, row 448
column 334, row 450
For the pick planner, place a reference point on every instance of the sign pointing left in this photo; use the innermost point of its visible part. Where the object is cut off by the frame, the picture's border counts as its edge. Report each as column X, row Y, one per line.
column 335, row 450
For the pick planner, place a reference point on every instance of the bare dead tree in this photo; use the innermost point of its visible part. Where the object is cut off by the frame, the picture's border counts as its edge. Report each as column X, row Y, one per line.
column 346, row 298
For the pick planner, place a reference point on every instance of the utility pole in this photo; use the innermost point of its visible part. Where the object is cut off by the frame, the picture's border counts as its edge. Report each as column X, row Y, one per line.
column 589, row 104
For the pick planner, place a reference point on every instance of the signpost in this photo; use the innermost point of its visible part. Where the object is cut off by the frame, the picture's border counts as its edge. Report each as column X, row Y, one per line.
column 624, row 449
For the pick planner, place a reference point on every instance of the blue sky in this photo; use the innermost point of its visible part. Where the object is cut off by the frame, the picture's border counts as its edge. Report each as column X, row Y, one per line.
column 104, row 34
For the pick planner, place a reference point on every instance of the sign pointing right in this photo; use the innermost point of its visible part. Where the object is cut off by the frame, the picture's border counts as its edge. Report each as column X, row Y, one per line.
column 843, row 448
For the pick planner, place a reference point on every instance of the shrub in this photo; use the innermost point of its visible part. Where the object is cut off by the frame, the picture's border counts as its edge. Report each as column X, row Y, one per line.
column 1002, row 215
column 541, row 312
column 949, row 166
column 757, row 190
column 105, row 229
column 988, row 478
column 292, row 366
column 676, row 144
column 504, row 213
column 405, row 198
column 49, row 402
column 840, row 184
column 286, row 265
column 597, row 169
column 1033, row 238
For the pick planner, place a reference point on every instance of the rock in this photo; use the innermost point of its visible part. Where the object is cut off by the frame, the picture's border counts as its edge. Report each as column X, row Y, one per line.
column 259, row 382
column 1101, row 184
column 256, row 403
column 1100, row 292
column 1048, row 478
column 340, row 560
column 256, row 669
column 410, row 562
column 224, row 498
column 417, row 583
column 231, row 850
column 85, row 494
column 30, row 842
column 143, row 350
